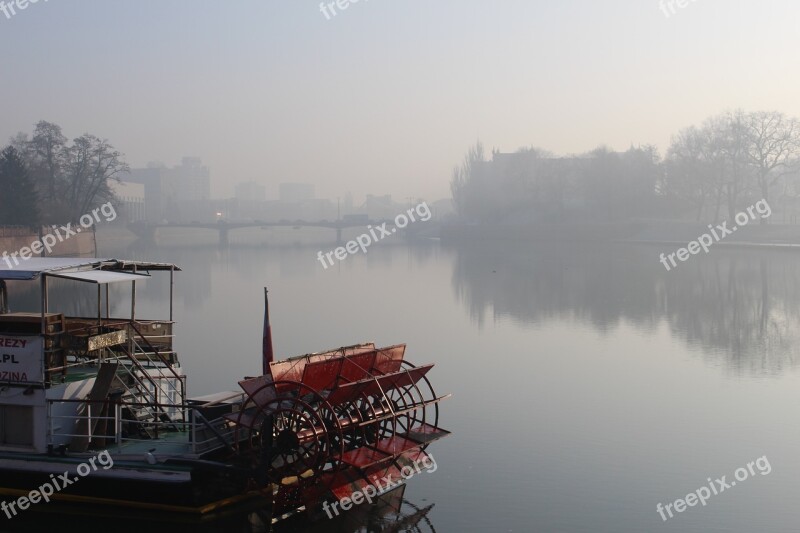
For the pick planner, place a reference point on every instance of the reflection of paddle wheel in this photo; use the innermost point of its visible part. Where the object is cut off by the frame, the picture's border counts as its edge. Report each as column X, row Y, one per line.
column 391, row 513
column 321, row 427
column 408, row 517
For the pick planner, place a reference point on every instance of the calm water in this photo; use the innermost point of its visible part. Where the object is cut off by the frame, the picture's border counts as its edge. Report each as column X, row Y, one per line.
column 589, row 384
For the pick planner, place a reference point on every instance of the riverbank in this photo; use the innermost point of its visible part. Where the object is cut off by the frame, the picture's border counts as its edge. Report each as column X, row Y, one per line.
column 13, row 239
column 636, row 232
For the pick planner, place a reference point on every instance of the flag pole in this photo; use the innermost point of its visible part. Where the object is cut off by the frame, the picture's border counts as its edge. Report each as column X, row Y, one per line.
column 266, row 347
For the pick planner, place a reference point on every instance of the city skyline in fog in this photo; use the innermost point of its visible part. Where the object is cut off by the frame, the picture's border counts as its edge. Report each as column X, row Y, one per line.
column 385, row 97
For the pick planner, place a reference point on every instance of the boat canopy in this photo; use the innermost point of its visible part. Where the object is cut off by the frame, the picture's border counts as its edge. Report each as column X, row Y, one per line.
column 68, row 267
column 100, row 277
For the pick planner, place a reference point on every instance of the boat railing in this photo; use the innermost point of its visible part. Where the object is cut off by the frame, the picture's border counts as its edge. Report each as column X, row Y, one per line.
column 148, row 390
column 152, row 370
column 146, row 402
column 142, row 385
column 115, row 424
column 151, row 350
column 158, row 332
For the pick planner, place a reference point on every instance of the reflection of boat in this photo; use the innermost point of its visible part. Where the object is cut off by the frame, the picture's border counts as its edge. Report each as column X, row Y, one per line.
column 390, row 513
column 76, row 389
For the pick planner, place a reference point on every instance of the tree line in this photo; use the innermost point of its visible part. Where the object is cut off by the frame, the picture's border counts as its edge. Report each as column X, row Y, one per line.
column 709, row 172
column 46, row 179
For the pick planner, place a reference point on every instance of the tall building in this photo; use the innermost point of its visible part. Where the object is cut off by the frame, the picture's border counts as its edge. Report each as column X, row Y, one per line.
column 177, row 194
column 192, row 180
column 150, row 178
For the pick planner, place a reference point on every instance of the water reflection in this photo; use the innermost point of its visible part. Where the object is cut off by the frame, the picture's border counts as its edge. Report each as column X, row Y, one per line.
column 391, row 513
column 736, row 306
column 388, row 514
column 733, row 307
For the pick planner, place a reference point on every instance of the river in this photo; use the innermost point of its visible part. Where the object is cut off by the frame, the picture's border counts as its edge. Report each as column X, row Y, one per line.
column 589, row 384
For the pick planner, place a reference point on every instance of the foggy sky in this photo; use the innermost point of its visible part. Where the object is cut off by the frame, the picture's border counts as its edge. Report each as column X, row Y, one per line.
column 386, row 96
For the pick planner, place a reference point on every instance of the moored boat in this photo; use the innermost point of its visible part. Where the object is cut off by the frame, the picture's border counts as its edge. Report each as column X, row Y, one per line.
column 95, row 417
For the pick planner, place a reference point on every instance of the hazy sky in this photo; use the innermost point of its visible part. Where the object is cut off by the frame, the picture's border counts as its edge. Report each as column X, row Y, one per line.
column 386, row 96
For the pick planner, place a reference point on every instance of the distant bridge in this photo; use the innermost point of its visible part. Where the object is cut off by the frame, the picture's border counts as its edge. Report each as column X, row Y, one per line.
column 148, row 231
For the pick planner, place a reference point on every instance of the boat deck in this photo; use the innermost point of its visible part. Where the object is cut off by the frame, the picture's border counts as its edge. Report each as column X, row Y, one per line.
column 174, row 443
column 87, row 371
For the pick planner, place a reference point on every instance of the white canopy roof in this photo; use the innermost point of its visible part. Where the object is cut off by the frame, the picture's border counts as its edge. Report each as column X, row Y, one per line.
column 32, row 268
column 101, row 277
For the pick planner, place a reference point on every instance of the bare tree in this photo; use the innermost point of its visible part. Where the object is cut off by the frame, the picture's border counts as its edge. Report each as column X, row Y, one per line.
column 48, row 146
column 732, row 156
column 690, row 171
column 729, row 134
column 70, row 178
column 773, row 148
column 464, row 181
column 91, row 163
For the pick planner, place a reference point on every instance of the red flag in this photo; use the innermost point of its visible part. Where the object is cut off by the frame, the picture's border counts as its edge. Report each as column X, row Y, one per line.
column 266, row 347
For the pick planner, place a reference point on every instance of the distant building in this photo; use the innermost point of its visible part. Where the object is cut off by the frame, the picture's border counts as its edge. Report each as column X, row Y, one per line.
column 178, row 194
column 130, row 203
column 296, row 192
column 151, row 179
column 530, row 186
column 192, row 180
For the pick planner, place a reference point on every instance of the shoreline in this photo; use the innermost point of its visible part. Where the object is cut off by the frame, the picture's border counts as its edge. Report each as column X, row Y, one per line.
column 773, row 236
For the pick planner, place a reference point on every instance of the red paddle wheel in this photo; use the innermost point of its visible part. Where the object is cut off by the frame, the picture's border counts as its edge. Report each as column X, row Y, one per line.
column 321, row 427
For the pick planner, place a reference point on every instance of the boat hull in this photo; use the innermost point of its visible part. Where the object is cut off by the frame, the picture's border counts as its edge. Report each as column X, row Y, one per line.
column 186, row 493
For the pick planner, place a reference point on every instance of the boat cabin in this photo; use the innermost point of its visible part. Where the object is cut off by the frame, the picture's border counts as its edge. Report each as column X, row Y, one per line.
column 63, row 378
